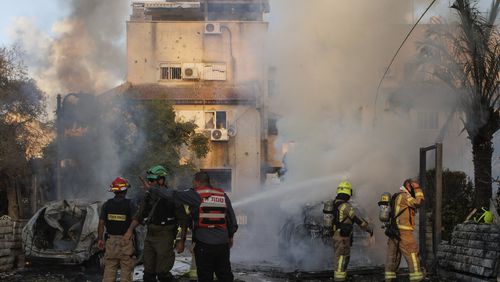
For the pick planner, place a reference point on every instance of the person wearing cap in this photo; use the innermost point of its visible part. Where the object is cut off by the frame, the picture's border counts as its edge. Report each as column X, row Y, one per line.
column 116, row 217
column 162, row 218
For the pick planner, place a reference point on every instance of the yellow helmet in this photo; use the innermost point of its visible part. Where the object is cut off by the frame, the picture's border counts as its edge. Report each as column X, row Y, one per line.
column 344, row 188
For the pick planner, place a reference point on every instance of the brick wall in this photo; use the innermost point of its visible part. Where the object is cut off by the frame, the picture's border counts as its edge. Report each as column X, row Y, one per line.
column 472, row 254
column 11, row 254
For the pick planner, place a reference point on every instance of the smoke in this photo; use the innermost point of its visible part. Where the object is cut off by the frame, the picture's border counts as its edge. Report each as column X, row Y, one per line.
column 84, row 53
column 329, row 57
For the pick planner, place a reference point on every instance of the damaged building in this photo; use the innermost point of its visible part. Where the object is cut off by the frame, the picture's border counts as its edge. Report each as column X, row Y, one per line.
column 208, row 59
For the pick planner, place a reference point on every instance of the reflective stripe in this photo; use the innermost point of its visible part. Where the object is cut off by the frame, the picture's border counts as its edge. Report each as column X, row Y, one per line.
column 341, row 212
column 217, row 205
column 117, row 217
column 398, row 206
column 415, row 262
column 390, row 275
column 339, row 276
column 212, row 215
column 340, row 263
column 416, row 276
column 210, row 191
column 406, row 227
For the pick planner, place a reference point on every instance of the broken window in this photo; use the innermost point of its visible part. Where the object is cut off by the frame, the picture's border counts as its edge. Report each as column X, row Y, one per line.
column 220, row 178
column 171, row 72
column 209, row 120
column 216, row 120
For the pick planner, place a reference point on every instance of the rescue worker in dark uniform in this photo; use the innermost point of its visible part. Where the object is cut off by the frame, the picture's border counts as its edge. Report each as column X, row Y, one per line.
column 344, row 218
column 214, row 224
column 116, row 216
column 162, row 217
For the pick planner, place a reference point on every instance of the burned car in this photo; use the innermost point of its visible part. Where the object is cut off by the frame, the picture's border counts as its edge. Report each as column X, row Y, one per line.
column 63, row 232
column 306, row 244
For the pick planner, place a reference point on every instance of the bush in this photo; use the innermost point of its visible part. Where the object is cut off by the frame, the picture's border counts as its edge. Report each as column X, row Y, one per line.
column 458, row 199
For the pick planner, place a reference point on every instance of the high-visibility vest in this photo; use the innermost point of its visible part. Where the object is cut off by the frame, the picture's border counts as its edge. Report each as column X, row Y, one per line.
column 213, row 208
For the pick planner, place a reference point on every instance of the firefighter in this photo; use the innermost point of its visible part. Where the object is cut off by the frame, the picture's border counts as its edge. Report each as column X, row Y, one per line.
column 344, row 217
column 214, row 224
column 162, row 217
column 401, row 241
column 116, row 216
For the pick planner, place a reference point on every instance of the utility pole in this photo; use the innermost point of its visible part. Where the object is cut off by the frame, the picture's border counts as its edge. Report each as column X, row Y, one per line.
column 59, row 137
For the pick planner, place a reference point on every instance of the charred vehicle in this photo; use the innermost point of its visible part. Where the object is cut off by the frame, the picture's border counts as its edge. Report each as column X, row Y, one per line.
column 306, row 244
column 63, row 232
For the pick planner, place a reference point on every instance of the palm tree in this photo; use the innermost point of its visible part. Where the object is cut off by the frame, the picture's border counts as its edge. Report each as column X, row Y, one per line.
column 466, row 56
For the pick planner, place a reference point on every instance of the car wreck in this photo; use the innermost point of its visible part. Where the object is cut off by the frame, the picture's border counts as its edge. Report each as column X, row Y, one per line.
column 63, row 232
column 305, row 234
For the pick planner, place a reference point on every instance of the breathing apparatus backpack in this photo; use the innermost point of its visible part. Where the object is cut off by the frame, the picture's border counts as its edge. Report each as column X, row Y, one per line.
column 391, row 228
column 345, row 229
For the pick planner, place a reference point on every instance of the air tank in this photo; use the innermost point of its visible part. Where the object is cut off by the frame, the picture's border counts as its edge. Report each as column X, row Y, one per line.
column 384, row 207
column 328, row 214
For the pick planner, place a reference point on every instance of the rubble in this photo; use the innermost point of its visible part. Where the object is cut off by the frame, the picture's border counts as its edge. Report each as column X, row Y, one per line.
column 472, row 254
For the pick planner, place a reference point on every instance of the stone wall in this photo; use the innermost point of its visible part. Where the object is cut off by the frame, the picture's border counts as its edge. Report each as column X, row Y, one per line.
column 473, row 253
column 11, row 253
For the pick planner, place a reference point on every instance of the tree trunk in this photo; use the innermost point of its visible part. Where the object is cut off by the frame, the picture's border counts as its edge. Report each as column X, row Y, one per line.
column 13, row 202
column 482, row 151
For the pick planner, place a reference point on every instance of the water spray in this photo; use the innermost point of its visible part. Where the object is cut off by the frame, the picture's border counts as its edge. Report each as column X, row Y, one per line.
column 287, row 189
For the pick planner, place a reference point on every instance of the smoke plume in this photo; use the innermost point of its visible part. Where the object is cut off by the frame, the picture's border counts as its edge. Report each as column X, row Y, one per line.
column 329, row 57
column 85, row 52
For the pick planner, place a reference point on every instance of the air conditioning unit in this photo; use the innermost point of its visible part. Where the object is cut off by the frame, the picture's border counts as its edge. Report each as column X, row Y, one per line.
column 212, row 28
column 190, row 71
column 219, row 135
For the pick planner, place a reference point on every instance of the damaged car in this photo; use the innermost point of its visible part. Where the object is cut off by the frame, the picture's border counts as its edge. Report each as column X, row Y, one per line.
column 306, row 244
column 63, row 232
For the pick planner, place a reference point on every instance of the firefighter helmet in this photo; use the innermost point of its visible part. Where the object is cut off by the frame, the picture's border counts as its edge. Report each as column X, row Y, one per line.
column 156, row 172
column 119, row 184
column 344, row 188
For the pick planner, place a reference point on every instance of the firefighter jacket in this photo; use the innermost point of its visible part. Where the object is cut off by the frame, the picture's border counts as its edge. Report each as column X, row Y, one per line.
column 345, row 217
column 117, row 215
column 405, row 206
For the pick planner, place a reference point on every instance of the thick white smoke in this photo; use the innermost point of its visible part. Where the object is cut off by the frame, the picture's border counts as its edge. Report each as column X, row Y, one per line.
column 329, row 57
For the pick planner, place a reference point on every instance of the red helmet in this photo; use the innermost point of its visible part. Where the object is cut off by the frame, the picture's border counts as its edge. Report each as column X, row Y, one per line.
column 119, row 184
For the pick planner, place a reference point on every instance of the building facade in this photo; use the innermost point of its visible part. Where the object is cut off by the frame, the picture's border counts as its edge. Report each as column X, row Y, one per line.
column 208, row 59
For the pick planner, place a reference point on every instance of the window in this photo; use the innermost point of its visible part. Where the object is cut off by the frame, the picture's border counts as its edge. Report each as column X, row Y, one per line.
column 209, row 120
column 170, row 72
column 272, row 127
column 220, row 118
column 215, row 71
column 220, row 178
column 216, row 120
column 427, row 120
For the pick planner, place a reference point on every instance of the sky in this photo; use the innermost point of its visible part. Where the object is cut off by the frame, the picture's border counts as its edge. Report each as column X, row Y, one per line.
column 47, row 12
column 43, row 13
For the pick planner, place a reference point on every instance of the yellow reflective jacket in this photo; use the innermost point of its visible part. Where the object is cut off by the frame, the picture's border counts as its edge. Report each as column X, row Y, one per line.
column 407, row 204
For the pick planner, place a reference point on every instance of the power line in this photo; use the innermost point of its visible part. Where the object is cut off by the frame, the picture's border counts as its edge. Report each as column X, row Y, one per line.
column 397, row 52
